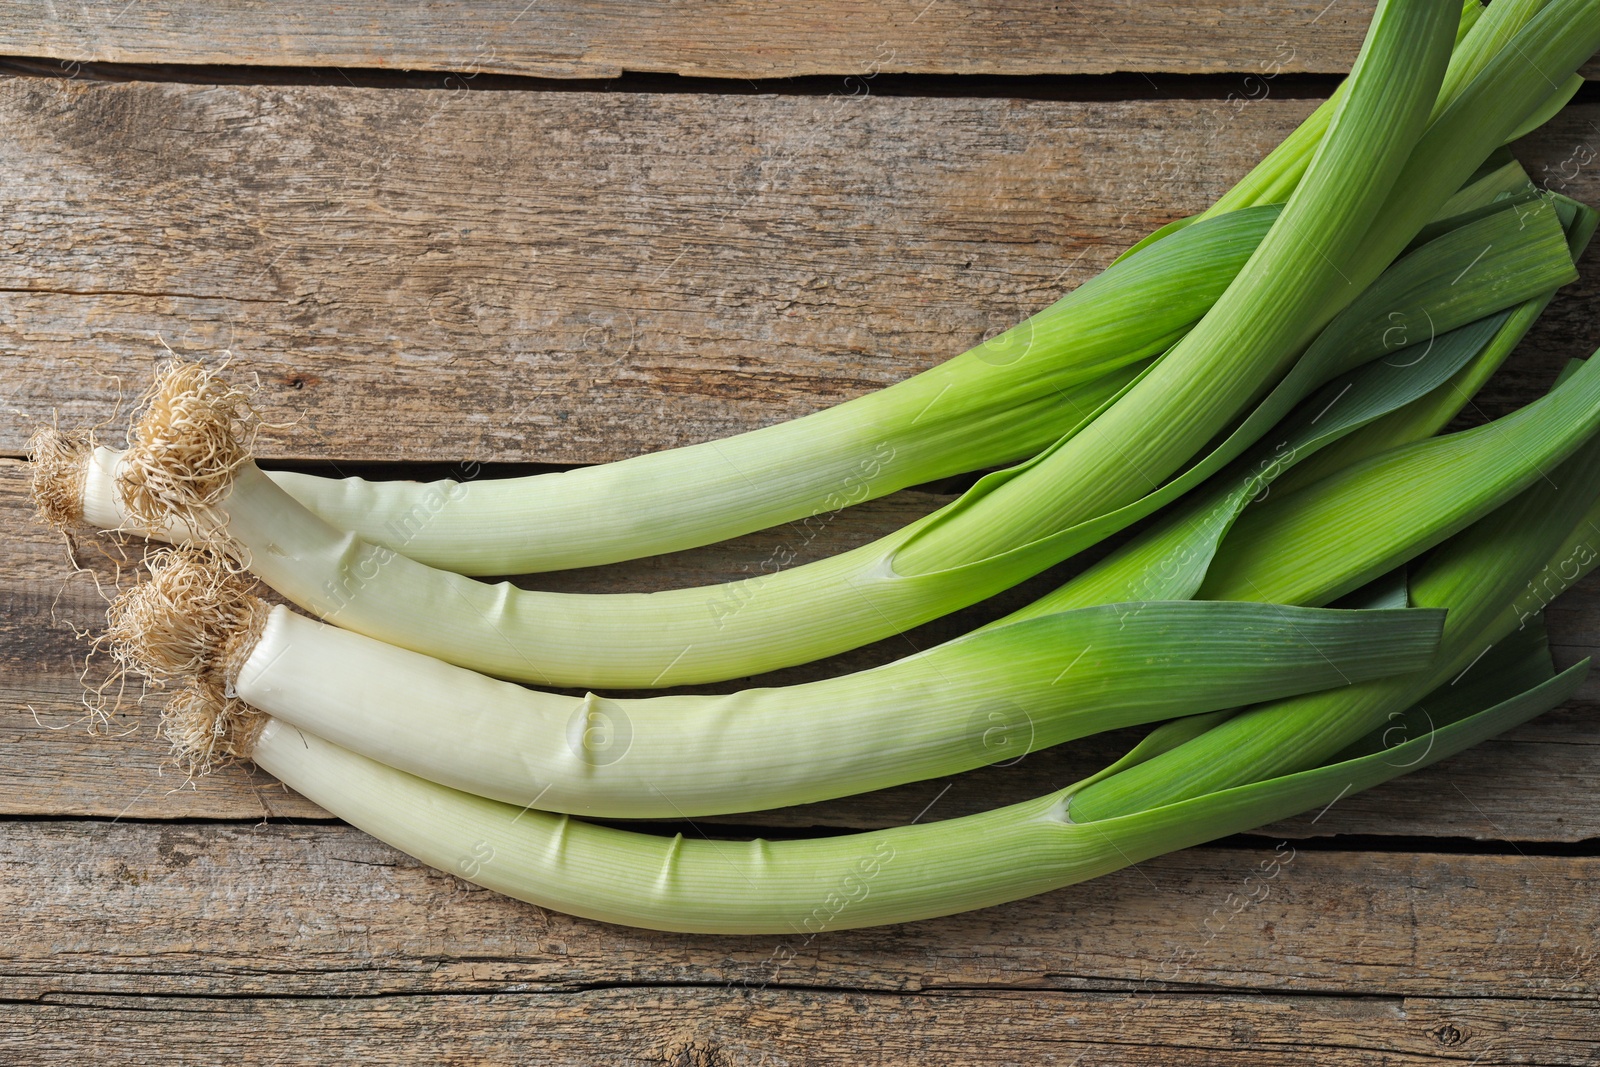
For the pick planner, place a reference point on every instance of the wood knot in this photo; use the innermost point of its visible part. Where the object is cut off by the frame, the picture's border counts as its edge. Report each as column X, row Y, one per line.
column 1447, row 1035
column 697, row 1053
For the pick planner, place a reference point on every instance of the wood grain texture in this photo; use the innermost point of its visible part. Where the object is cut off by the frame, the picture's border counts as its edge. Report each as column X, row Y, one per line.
column 574, row 277
column 316, row 941
column 554, row 277
column 730, row 1028
column 325, row 911
column 603, row 38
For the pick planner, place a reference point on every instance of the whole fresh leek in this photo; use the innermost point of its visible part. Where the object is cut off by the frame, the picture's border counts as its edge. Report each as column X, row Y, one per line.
column 920, row 871
column 808, row 886
column 962, row 705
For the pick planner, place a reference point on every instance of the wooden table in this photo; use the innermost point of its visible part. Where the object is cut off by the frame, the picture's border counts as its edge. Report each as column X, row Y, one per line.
column 514, row 256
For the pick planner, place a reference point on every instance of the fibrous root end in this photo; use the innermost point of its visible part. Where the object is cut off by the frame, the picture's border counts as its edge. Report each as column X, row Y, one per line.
column 195, row 432
column 194, row 623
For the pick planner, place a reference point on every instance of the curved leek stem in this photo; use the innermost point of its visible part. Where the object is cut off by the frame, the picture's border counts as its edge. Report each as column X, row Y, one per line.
column 992, row 696
column 808, row 886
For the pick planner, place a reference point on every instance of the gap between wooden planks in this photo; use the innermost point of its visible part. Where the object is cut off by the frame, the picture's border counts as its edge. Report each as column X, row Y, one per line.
column 855, row 39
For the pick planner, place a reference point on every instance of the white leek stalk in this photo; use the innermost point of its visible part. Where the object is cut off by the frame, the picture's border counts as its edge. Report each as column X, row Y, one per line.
column 990, row 696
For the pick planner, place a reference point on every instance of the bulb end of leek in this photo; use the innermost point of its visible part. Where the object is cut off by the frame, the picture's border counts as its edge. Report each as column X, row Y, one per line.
column 193, row 435
column 60, row 470
column 195, row 621
column 194, row 618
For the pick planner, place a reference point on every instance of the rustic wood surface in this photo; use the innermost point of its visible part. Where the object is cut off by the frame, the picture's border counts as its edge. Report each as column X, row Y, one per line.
column 543, row 276
column 573, row 263
column 481, row 43
column 605, row 38
column 700, row 1027
column 748, row 39
column 1348, row 954
column 575, row 277
column 128, row 911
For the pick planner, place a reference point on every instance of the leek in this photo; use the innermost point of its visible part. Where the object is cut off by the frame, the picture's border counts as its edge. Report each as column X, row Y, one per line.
column 685, row 636
column 887, row 876
column 993, row 695
column 920, row 871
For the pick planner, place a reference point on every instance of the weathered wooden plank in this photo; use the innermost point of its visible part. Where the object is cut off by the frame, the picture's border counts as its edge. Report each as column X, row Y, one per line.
column 717, row 1027
column 554, row 276
column 603, row 38
column 1526, row 785
column 271, row 910
column 597, row 39
column 572, row 277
